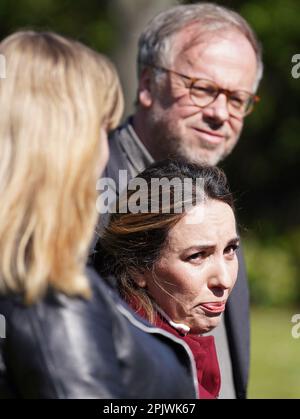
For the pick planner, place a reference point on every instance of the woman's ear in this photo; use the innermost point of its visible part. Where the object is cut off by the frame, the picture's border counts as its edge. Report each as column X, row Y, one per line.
column 140, row 280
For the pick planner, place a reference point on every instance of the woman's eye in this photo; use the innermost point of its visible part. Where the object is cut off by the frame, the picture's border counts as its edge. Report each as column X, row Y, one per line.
column 196, row 256
column 231, row 250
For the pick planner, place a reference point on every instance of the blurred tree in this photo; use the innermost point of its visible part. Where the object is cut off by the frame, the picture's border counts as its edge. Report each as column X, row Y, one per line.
column 134, row 15
column 89, row 21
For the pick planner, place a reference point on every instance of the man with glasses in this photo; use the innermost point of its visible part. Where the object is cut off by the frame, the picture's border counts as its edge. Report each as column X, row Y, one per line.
column 199, row 67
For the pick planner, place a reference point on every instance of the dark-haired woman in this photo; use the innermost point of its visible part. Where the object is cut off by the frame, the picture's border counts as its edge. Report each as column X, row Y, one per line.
column 176, row 265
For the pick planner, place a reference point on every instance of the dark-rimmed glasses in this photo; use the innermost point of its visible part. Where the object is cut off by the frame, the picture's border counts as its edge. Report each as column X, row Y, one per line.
column 204, row 92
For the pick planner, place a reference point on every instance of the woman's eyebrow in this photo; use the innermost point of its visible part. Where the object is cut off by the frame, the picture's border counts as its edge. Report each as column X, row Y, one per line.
column 206, row 245
column 235, row 240
column 201, row 246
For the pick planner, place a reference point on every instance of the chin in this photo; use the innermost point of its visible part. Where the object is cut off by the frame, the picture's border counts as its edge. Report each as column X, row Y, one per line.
column 206, row 327
column 201, row 156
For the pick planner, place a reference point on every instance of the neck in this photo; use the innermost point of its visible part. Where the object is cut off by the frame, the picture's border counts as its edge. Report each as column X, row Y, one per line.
column 181, row 327
column 141, row 127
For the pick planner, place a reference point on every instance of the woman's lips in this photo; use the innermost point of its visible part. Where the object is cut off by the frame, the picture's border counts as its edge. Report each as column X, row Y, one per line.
column 218, row 307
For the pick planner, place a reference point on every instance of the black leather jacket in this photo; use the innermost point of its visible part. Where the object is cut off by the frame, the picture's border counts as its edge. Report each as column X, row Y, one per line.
column 65, row 347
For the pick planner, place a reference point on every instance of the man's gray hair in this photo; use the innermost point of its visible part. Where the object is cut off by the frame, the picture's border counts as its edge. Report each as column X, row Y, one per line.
column 155, row 43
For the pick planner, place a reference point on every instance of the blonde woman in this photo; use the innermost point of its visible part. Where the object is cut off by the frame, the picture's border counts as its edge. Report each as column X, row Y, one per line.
column 67, row 334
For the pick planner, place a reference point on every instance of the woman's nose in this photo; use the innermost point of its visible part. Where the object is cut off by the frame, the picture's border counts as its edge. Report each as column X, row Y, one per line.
column 220, row 277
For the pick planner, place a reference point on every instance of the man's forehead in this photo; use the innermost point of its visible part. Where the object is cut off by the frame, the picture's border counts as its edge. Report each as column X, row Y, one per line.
column 194, row 35
column 217, row 56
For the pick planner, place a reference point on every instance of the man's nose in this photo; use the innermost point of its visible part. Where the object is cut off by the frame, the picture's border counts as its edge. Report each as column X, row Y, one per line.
column 217, row 112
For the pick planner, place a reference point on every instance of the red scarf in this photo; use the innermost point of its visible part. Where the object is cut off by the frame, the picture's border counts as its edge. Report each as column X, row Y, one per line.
column 205, row 355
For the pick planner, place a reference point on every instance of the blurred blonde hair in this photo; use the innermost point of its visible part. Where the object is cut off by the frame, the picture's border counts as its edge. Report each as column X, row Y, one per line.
column 56, row 98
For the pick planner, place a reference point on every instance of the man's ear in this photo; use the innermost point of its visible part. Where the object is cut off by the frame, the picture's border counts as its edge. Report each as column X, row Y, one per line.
column 145, row 89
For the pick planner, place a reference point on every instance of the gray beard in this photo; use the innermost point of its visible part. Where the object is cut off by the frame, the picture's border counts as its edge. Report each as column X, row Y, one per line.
column 168, row 145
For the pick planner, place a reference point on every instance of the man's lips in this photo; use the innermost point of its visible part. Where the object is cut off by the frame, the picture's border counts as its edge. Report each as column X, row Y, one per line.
column 210, row 136
column 214, row 307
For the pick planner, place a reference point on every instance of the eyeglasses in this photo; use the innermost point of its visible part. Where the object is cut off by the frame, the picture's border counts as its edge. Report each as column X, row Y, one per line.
column 204, row 92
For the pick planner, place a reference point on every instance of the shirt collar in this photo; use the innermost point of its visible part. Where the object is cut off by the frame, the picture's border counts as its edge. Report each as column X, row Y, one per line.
column 181, row 327
column 136, row 152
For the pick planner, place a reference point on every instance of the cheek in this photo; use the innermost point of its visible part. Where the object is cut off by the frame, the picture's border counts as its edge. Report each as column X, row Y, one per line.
column 233, row 271
column 236, row 127
column 180, row 280
column 168, row 279
column 176, row 105
column 175, row 290
column 169, row 121
column 186, row 109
